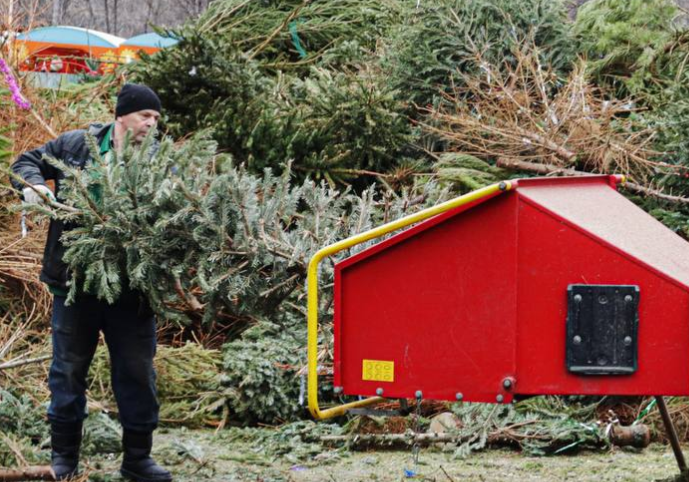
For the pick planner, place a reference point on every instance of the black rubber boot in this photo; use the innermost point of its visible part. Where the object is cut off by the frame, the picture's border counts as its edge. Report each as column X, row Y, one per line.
column 65, row 439
column 137, row 463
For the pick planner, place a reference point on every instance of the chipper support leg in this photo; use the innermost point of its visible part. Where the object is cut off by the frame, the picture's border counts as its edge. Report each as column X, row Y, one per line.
column 672, row 434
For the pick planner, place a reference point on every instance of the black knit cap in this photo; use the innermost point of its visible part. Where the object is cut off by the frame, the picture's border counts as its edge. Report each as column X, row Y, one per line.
column 136, row 97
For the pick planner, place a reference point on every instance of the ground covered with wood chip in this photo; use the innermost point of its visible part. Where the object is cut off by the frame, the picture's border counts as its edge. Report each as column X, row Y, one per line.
column 195, row 455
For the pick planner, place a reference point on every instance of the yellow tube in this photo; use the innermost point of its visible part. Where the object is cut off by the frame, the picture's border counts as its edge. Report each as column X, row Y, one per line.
column 312, row 287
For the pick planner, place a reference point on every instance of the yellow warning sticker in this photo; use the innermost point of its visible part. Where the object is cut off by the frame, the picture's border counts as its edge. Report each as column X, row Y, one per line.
column 379, row 371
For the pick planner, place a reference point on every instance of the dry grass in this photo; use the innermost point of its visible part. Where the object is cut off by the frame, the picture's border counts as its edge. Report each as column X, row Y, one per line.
column 22, row 295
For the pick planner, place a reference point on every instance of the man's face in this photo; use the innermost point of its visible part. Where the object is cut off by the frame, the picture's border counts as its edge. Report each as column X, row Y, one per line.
column 139, row 122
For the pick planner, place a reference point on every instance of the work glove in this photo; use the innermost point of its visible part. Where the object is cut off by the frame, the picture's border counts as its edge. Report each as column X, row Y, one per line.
column 32, row 197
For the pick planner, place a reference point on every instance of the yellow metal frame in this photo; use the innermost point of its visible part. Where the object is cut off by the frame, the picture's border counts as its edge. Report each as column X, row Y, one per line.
column 312, row 287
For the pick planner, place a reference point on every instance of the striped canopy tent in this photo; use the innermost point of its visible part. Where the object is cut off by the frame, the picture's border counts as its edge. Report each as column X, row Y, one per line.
column 68, row 50
column 147, row 42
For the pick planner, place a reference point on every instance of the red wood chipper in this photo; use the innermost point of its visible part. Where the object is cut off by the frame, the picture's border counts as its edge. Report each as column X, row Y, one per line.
column 548, row 286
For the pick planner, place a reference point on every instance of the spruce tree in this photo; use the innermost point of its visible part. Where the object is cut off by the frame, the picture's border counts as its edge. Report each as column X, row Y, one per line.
column 210, row 243
column 202, row 238
column 287, row 80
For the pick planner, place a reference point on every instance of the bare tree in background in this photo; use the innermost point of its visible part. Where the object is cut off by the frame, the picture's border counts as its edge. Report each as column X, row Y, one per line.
column 152, row 12
column 107, row 15
column 111, row 8
column 21, row 14
column 130, row 17
column 92, row 15
column 124, row 18
column 10, row 13
column 193, row 7
column 57, row 11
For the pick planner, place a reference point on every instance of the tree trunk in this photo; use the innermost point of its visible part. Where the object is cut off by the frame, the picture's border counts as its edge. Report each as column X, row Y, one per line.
column 92, row 15
column 107, row 15
column 57, row 11
column 43, row 472
column 64, row 5
column 114, row 16
column 10, row 12
column 152, row 13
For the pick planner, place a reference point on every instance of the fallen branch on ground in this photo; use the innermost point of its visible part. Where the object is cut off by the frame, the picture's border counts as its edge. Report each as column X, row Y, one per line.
column 39, row 472
column 19, row 363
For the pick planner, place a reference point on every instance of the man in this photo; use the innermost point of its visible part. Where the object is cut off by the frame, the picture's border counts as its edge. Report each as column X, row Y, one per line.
column 128, row 325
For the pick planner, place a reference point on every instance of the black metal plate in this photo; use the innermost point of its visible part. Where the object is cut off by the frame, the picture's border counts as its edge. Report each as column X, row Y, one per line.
column 602, row 327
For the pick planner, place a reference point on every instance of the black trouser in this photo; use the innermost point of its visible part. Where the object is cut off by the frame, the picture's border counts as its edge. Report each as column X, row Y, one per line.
column 130, row 334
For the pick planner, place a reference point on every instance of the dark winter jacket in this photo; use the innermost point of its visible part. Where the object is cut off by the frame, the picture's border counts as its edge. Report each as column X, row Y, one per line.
column 71, row 148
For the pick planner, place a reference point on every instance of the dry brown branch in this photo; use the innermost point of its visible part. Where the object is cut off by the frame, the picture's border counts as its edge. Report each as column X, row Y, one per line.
column 41, row 472
column 20, row 265
column 524, row 112
column 192, row 302
column 22, row 362
column 548, row 170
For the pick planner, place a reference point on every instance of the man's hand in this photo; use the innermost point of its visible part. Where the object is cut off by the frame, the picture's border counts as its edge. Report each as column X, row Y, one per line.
column 32, row 197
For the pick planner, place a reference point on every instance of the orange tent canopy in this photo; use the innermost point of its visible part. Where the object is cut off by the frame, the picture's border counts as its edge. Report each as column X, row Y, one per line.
column 64, row 49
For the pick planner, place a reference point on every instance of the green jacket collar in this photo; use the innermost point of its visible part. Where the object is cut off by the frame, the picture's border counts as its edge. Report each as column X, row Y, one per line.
column 106, row 143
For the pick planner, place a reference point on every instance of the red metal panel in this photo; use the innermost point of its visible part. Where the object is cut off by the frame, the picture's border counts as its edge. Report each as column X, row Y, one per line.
column 440, row 304
column 469, row 298
column 553, row 253
column 412, row 231
column 337, row 331
column 591, row 204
